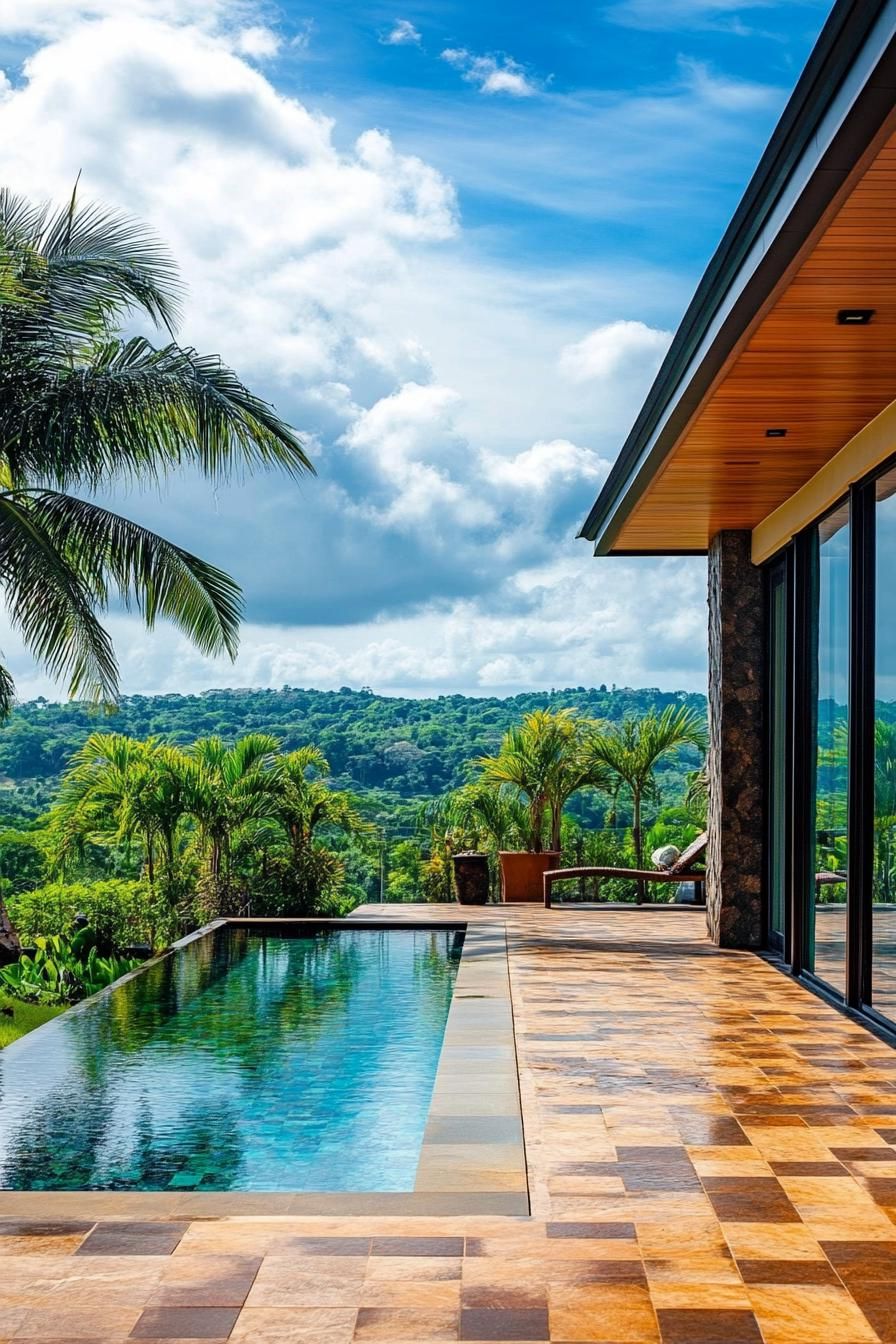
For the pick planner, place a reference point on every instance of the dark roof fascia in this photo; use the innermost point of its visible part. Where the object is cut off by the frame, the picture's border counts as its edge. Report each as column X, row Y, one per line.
column 839, row 103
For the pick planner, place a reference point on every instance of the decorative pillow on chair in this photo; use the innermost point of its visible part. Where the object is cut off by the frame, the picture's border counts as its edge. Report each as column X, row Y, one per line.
column 665, row 857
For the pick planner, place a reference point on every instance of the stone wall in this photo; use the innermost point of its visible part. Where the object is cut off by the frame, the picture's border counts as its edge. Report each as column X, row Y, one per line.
column 734, row 860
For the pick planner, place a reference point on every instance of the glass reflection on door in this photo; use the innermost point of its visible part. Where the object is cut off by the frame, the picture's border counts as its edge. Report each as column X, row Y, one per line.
column 826, row 925
column 777, row 772
column 883, row 909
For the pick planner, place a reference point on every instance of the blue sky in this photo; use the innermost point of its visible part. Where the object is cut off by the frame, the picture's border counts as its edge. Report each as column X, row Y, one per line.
column 450, row 242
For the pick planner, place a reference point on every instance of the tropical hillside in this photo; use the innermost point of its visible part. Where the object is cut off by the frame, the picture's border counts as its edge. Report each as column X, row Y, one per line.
column 177, row 808
column 390, row 748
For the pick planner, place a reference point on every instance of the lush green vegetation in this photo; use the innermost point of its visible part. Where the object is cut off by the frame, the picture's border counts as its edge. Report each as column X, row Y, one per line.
column 112, row 840
column 396, row 752
column 63, row 968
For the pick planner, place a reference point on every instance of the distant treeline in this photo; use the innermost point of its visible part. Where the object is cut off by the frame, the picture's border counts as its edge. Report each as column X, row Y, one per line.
column 394, row 749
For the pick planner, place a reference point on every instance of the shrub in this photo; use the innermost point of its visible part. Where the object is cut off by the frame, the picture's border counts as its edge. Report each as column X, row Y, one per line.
column 120, row 912
column 63, row 970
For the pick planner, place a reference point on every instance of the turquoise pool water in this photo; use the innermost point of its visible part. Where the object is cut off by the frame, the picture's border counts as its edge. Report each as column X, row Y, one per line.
column 239, row 1062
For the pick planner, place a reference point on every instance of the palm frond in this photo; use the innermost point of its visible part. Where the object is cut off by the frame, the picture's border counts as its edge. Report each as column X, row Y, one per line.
column 108, row 553
column 131, row 410
column 7, row 693
column 52, row 606
column 89, row 266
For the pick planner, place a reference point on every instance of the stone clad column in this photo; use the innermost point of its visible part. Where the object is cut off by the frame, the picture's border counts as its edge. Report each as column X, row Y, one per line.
column 734, row 857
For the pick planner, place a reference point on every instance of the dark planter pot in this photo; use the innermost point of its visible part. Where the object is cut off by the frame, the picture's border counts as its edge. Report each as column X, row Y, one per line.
column 471, row 878
column 522, row 875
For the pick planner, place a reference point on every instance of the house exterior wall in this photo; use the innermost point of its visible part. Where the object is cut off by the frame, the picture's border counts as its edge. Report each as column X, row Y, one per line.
column 735, row 761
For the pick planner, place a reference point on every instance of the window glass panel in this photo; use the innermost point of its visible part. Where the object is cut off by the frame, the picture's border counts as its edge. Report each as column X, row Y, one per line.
column 883, row 918
column 827, row 909
column 777, row 871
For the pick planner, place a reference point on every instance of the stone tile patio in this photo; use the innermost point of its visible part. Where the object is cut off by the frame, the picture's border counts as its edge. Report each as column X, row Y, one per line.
column 712, row 1159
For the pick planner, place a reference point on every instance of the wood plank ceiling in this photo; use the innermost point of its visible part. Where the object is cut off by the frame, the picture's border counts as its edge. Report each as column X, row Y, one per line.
column 799, row 371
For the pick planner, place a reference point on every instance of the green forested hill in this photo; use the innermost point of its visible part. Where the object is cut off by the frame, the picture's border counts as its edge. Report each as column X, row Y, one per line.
column 393, row 754
column 410, row 748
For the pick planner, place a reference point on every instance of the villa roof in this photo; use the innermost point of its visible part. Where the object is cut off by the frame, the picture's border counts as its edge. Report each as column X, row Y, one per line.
column 760, row 347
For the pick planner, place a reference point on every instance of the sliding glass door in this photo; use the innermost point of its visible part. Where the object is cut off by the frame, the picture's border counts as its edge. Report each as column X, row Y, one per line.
column 825, row 934
column 831, row 742
column 778, row 757
column 883, row 893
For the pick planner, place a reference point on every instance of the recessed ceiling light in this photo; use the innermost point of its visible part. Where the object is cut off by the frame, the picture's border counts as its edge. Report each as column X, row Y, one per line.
column 776, row 433
column 855, row 317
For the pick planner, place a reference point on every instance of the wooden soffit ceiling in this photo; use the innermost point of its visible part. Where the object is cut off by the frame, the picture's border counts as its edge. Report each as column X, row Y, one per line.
column 796, row 370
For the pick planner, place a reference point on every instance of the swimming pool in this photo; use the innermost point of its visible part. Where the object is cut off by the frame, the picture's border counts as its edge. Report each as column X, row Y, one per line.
column 242, row 1061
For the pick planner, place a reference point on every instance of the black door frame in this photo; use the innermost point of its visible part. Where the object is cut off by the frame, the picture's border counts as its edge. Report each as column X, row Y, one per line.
column 800, row 577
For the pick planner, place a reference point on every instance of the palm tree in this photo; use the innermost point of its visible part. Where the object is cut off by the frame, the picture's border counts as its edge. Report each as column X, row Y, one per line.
column 305, row 801
column 227, row 788
column 495, row 813
column 630, row 752
column 123, row 789
column 82, row 407
column 545, row 761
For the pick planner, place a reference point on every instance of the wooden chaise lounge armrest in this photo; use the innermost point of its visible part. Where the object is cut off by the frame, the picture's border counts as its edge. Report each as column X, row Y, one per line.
column 643, row 874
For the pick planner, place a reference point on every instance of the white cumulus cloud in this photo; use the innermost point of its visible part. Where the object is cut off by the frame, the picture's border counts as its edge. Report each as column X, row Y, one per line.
column 620, row 349
column 402, row 34
column 257, row 41
column 491, row 74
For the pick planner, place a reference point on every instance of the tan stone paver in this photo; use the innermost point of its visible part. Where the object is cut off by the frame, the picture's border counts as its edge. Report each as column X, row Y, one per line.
column 711, row 1155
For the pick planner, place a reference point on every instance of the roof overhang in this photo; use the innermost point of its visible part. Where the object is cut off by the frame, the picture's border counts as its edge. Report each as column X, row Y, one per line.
column 700, row 427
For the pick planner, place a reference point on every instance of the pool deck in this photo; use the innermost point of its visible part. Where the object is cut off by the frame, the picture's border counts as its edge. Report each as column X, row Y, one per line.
column 711, row 1160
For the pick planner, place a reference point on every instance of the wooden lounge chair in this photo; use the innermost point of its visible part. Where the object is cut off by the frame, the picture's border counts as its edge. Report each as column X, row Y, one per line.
column 681, row 871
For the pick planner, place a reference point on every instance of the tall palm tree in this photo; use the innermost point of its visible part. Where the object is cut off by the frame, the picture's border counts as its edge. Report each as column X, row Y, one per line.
column 123, row 789
column 229, row 787
column 495, row 813
column 83, row 406
column 630, row 751
column 305, row 801
column 544, row 760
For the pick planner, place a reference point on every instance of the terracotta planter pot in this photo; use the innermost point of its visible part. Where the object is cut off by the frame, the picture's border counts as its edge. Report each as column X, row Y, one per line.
column 471, row 878
column 522, row 874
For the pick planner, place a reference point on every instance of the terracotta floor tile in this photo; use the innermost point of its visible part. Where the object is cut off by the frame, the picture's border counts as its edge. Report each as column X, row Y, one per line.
column 42, row 1245
column 405, row 1323
column 114, row 1238
column 809, row 1315
column 687, row 1235
column 293, row 1326
column 76, row 1322
column 418, row 1267
column 164, row 1322
column 877, row 1302
column 622, row 1316
column 418, row 1246
column 444, row 1296
column 700, row 1268
column 788, row 1271
column 700, row 1296
column 215, row 1287
column 506, row 1295
column 500, row 1323
column 700, row 1326
column 307, row 1292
